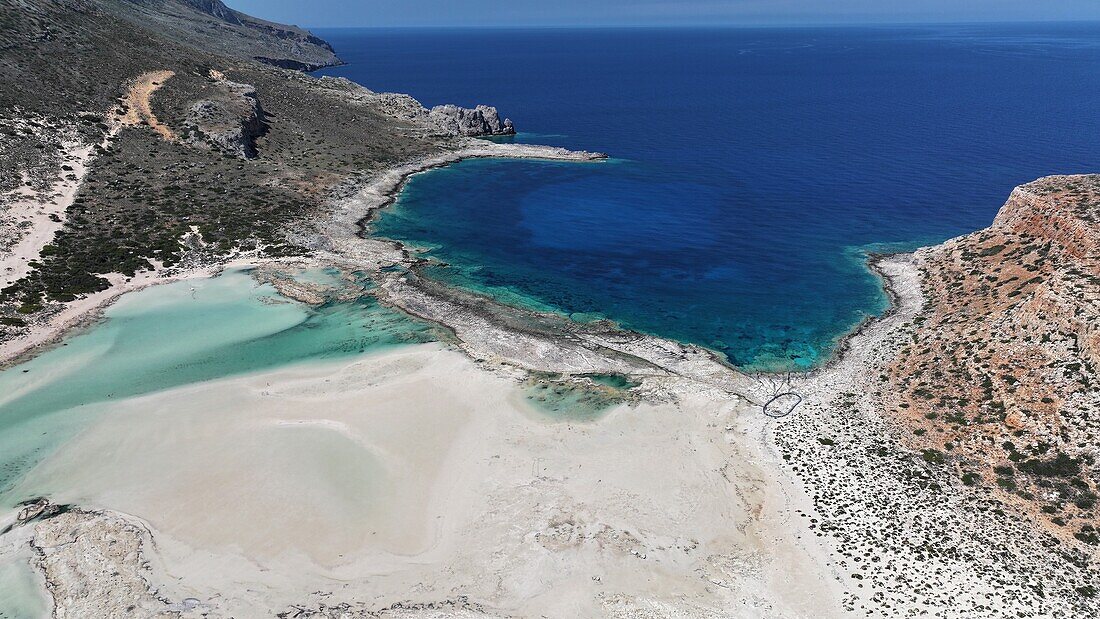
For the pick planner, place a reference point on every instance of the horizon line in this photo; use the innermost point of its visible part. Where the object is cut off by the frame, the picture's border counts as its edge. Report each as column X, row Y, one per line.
column 710, row 26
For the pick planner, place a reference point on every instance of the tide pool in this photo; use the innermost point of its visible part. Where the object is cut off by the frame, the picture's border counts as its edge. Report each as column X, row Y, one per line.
column 172, row 335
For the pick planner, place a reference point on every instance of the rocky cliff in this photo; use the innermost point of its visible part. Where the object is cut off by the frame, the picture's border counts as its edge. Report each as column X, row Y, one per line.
column 481, row 120
column 1000, row 378
column 451, row 120
column 230, row 119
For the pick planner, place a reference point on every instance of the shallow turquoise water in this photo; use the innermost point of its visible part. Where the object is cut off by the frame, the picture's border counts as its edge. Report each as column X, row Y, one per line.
column 22, row 595
column 574, row 402
column 171, row 335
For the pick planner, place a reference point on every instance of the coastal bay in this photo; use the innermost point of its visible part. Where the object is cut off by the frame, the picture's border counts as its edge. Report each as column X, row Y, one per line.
column 741, row 200
column 282, row 345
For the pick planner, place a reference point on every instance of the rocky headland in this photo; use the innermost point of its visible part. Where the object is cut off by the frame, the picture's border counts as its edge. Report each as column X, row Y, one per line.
column 451, row 120
column 999, row 380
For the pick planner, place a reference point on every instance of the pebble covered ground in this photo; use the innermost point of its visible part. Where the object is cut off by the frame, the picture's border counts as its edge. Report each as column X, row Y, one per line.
column 911, row 537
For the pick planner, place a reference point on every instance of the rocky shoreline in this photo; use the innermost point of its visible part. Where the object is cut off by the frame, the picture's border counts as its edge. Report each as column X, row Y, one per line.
column 824, row 484
column 836, row 404
column 701, row 491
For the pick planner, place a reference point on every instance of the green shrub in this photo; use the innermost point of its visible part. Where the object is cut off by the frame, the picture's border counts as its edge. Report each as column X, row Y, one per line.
column 1060, row 466
column 933, row 456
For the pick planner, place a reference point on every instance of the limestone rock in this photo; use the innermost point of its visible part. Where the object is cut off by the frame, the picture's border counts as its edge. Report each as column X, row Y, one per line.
column 482, row 120
column 1002, row 363
column 441, row 119
column 231, row 120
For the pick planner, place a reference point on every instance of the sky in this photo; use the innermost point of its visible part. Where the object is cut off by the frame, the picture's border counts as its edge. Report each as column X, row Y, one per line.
column 390, row 13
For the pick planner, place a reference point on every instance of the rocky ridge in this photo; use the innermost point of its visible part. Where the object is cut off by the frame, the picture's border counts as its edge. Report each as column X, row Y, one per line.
column 999, row 382
column 211, row 25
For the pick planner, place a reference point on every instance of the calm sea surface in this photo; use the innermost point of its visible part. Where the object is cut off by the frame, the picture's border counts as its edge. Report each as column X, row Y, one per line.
column 752, row 167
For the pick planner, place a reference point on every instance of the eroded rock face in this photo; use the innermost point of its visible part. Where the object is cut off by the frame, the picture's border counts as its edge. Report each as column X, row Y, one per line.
column 215, row 8
column 482, row 120
column 442, row 119
column 1000, row 380
column 231, row 120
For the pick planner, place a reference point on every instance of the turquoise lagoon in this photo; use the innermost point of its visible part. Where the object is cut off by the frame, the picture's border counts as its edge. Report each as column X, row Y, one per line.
column 198, row 330
column 172, row 335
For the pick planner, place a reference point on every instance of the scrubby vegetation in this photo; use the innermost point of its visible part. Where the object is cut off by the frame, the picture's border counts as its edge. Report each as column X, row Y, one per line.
column 1000, row 369
column 147, row 199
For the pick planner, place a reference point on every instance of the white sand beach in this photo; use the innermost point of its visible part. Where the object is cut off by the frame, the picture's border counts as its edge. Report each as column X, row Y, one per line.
column 415, row 476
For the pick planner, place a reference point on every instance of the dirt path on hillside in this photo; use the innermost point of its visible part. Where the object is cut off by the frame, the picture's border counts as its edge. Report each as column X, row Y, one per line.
column 136, row 102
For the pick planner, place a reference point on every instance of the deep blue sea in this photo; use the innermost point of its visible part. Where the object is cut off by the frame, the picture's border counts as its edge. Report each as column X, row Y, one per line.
column 752, row 167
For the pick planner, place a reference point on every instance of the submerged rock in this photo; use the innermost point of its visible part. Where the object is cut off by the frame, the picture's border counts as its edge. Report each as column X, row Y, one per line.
column 39, row 508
